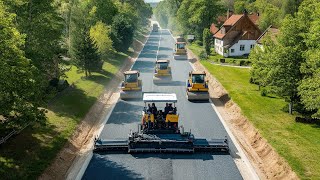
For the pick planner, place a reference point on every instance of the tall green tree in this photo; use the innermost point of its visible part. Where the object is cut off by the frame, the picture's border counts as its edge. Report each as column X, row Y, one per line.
column 196, row 15
column 122, row 32
column 270, row 14
column 288, row 57
column 100, row 35
column 261, row 59
column 103, row 10
column 19, row 93
column 207, row 40
column 309, row 89
column 84, row 52
column 43, row 26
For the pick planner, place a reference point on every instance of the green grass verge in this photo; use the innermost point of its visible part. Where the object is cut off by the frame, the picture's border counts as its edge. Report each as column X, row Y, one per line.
column 214, row 57
column 28, row 154
column 298, row 143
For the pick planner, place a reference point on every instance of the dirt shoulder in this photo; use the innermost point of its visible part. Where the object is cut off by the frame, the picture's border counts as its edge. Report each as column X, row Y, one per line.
column 82, row 139
column 267, row 163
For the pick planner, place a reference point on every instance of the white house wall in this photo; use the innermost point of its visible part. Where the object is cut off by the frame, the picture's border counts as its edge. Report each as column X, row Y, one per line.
column 218, row 46
column 236, row 47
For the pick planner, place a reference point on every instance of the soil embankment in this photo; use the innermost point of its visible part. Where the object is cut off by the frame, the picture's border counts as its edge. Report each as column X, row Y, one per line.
column 266, row 161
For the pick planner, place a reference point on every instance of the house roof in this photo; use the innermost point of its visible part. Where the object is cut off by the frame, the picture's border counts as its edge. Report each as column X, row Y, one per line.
column 254, row 18
column 232, row 20
column 213, row 28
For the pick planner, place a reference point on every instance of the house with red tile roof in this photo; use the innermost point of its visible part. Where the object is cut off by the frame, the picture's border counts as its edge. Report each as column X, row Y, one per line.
column 237, row 36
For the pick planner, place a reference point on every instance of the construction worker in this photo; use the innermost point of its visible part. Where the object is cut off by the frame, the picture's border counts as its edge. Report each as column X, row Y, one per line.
column 154, row 109
column 170, row 109
column 149, row 109
column 166, row 110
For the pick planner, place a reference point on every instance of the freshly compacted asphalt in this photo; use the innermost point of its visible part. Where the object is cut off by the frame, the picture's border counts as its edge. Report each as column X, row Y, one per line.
column 199, row 117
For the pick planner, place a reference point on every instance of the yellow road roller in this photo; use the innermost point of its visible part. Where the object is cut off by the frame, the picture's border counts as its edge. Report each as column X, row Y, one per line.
column 197, row 86
column 131, row 86
column 162, row 72
column 180, row 49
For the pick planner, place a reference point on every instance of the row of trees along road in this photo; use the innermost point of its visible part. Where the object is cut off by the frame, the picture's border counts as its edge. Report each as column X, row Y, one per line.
column 36, row 34
column 289, row 67
column 192, row 16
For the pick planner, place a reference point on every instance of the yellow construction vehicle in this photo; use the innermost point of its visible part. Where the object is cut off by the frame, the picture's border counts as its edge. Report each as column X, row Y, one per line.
column 165, row 120
column 131, row 86
column 162, row 72
column 160, row 132
column 197, row 86
column 180, row 49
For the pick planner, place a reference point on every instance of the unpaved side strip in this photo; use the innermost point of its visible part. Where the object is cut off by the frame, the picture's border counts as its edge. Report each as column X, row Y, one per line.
column 267, row 162
column 74, row 154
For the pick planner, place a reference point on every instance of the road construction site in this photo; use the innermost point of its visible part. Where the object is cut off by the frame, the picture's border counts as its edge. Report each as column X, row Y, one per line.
column 199, row 117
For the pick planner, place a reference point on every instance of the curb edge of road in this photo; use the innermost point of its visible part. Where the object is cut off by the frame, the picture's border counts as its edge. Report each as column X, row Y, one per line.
column 240, row 153
column 89, row 155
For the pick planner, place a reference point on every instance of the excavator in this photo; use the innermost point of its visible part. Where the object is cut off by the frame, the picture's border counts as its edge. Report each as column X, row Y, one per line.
column 159, row 132
column 197, row 86
column 180, row 49
column 131, row 86
column 162, row 72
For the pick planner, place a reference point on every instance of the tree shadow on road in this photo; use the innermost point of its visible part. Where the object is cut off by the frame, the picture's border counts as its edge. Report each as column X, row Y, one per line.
column 144, row 66
column 125, row 112
column 101, row 167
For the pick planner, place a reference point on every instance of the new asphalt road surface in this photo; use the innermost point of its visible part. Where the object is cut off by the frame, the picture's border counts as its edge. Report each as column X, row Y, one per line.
column 199, row 117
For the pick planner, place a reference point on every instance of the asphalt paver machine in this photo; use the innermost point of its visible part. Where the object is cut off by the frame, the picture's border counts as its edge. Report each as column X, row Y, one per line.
column 160, row 132
column 131, row 86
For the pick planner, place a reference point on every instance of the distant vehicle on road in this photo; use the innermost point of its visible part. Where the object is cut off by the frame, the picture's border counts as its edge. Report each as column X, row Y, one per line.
column 155, row 27
column 180, row 49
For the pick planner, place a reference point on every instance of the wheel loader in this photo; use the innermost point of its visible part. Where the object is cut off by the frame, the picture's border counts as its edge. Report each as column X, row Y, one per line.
column 159, row 132
column 180, row 49
column 197, row 86
column 162, row 72
column 131, row 86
